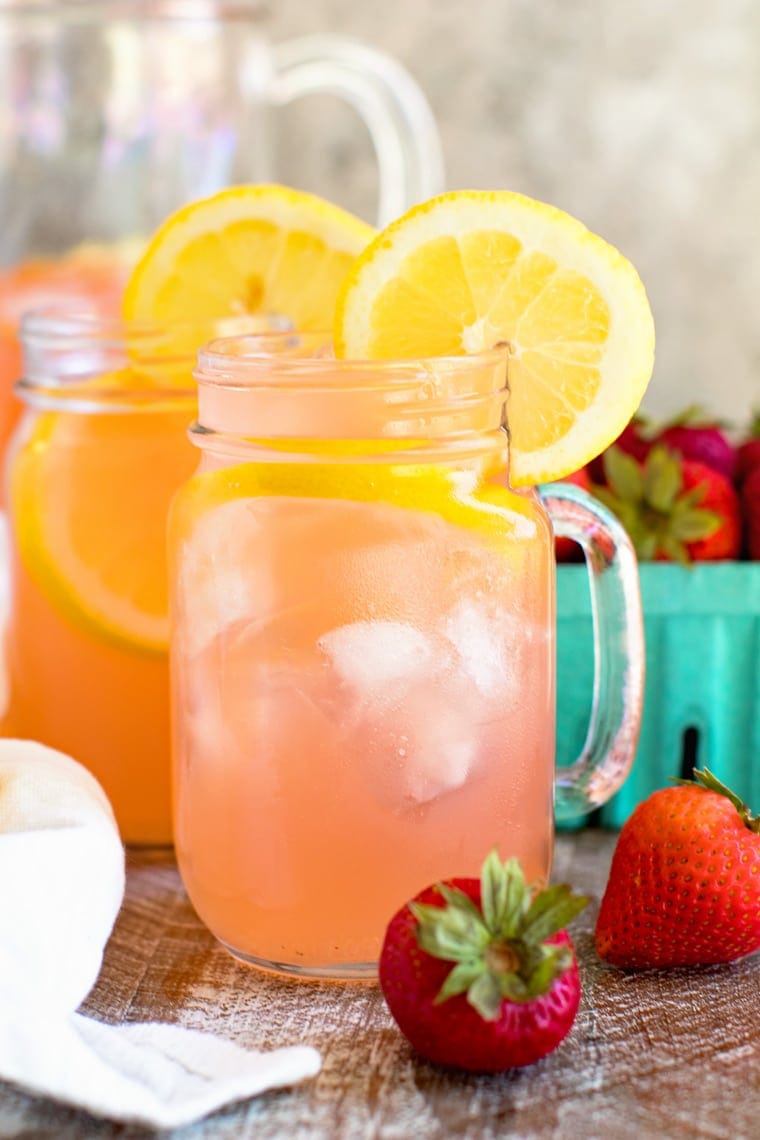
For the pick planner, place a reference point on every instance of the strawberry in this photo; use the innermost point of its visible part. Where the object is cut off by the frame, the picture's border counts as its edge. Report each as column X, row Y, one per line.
column 750, row 500
column 684, row 884
column 748, row 452
column 565, row 549
column 479, row 974
column 674, row 509
column 697, row 436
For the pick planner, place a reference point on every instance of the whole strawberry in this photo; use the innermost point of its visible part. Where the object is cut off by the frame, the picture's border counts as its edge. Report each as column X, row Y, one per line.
column 674, row 509
column 480, row 974
column 750, row 500
column 748, row 452
column 684, row 884
column 695, row 435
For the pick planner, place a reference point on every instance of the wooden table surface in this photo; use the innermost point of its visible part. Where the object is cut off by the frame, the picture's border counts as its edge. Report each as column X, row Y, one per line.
column 651, row 1055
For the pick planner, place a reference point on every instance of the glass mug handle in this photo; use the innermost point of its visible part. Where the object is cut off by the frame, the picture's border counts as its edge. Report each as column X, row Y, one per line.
column 394, row 109
column 619, row 657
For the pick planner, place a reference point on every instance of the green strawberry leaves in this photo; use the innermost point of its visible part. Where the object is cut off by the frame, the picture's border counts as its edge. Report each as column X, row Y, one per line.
column 502, row 895
column 455, row 932
column 651, row 503
column 501, row 949
column 661, row 480
column 624, row 475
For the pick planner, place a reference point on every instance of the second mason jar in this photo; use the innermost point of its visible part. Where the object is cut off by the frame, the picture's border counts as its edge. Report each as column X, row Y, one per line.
column 93, row 464
column 362, row 647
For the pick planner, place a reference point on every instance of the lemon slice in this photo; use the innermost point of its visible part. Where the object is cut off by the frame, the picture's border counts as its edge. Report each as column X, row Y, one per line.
column 471, row 269
column 471, row 499
column 247, row 250
column 90, row 501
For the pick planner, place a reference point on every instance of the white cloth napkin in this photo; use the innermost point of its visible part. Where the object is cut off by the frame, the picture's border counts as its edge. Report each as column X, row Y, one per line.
column 61, row 887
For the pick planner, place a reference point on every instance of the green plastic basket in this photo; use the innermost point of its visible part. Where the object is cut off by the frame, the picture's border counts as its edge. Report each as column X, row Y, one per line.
column 702, row 692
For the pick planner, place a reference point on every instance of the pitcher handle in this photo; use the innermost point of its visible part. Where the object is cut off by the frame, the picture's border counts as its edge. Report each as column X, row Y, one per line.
column 381, row 90
column 619, row 657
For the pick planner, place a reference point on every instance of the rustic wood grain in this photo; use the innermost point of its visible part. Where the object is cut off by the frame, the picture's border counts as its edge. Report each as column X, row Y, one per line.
column 655, row 1055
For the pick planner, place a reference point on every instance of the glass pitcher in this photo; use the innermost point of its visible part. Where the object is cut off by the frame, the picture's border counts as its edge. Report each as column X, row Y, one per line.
column 362, row 618
column 115, row 113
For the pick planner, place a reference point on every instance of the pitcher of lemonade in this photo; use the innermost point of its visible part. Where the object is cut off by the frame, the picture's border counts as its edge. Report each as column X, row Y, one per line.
column 362, row 647
column 112, row 115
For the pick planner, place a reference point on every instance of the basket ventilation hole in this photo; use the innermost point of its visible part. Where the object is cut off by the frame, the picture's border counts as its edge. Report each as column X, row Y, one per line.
column 689, row 752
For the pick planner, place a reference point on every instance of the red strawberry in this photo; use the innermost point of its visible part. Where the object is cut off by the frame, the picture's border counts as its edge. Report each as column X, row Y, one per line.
column 684, row 884
column 750, row 500
column 565, row 549
column 674, row 509
column 479, row 974
column 748, row 452
column 699, row 437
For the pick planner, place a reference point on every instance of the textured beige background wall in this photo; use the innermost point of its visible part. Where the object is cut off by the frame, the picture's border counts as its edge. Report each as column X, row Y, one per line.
column 643, row 119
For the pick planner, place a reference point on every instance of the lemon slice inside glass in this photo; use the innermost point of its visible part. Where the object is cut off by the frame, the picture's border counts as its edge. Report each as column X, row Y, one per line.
column 90, row 497
column 470, row 498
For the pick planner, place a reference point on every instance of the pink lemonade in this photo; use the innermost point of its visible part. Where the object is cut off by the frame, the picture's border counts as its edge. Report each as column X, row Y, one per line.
column 362, row 659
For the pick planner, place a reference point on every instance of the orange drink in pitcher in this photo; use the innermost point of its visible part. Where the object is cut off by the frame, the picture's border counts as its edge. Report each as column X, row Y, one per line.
column 362, row 580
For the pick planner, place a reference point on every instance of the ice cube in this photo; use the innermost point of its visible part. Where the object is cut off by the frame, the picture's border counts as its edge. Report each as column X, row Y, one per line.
column 439, row 749
column 412, row 716
column 478, row 638
column 370, row 656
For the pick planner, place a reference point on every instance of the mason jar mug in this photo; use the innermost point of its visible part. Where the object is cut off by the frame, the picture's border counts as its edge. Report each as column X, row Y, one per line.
column 362, row 636
column 91, row 469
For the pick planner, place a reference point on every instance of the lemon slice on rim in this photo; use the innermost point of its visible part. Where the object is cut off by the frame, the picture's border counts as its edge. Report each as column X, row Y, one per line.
column 246, row 250
column 471, row 269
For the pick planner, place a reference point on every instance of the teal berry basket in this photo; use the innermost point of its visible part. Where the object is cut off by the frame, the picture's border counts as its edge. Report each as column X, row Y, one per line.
column 702, row 690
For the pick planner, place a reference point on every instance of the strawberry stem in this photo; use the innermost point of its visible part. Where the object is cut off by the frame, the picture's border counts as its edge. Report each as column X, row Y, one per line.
column 708, row 780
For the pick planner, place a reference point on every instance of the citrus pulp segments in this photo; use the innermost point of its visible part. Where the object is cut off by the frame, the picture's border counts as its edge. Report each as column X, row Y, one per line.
column 472, row 269
column 248, row 249
column 90, row 503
